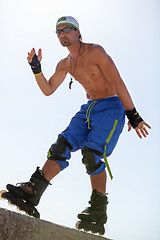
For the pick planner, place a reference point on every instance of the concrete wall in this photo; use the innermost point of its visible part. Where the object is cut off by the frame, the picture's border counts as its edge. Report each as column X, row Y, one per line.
column 15, row 226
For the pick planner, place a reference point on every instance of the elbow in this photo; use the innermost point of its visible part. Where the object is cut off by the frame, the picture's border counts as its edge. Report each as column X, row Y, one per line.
column 47, row 93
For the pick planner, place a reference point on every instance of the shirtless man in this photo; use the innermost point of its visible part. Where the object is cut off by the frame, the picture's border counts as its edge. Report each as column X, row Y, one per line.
column 95, row 129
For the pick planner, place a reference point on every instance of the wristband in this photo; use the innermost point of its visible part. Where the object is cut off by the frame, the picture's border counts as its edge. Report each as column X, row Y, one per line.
column 134, row 117
column 36, row 66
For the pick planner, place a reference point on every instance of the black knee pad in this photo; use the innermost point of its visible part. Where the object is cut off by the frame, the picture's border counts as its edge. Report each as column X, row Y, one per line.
column 58, row 148
column 89, row 160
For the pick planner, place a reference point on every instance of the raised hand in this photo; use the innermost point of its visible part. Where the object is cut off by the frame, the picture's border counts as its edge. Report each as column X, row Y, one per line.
column 34, row 61
column 32, row 53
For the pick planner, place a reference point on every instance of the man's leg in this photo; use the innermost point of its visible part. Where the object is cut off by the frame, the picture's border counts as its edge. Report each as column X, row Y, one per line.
column 98, row 182
column 95, row 168
column 32, row 191
column 94, row 217
column 50, row 169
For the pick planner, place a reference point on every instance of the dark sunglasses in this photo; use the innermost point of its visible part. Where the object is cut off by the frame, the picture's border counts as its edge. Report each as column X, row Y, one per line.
column 65, row 30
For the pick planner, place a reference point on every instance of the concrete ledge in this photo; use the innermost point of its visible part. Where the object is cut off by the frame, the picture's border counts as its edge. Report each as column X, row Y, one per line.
column 15, row 226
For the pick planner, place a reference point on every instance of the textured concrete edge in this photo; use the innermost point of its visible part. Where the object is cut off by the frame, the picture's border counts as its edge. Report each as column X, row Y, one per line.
column 18, row 226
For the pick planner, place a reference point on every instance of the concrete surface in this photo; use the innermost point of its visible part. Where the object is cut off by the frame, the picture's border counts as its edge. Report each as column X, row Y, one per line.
column 16, row 226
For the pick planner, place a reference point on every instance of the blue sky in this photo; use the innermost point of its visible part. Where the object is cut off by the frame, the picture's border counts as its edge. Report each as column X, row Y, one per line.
column 30, row 122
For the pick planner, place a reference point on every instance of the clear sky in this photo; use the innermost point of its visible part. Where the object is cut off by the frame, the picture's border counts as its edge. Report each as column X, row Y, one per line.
column 30, row 122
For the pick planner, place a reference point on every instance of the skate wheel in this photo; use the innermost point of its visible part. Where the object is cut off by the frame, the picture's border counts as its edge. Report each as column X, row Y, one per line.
column 94, row 232
column 36, row 214
column 101, row 235
column 78, row 225
column 1, row 194
column 32, row 211
column 20, row 210
column 10, row 203
column 102, row 232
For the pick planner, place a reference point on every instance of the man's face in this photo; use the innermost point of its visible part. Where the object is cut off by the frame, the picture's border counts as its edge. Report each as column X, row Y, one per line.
column 67, row 38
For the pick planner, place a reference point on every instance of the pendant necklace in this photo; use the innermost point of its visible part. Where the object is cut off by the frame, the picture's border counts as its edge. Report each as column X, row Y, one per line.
column 71, row 74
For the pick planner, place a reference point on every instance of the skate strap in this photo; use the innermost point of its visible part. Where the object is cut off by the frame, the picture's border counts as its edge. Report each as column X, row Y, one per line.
column 105, row 147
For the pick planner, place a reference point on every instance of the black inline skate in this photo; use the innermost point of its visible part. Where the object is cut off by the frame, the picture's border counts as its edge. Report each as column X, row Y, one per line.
column 94, row 217
column 27, row 195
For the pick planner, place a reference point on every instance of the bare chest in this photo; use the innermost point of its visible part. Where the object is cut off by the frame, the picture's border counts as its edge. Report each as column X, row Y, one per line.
column 84, row 70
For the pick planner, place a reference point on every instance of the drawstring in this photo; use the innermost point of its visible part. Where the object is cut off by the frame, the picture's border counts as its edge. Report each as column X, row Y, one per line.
column 89, row 112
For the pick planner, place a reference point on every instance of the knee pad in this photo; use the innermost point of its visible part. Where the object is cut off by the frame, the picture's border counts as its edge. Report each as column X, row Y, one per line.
column 57, row 149
column 89, row 159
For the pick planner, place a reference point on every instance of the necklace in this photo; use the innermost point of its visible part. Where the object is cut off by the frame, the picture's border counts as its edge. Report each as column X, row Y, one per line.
column 71, row 74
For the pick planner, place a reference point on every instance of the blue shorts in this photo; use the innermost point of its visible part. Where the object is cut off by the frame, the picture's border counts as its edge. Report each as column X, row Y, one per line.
column 98, row 126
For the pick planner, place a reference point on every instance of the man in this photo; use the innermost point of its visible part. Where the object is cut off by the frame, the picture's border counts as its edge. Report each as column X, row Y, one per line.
column 95, row 129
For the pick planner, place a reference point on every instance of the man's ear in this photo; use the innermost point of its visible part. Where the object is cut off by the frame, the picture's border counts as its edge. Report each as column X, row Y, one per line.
column 78, row 34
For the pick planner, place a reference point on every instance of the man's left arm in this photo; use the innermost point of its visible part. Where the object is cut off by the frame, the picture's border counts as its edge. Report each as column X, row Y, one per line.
column 112, row 75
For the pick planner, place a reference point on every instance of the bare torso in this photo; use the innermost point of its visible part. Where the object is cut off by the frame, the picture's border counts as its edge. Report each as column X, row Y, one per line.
column 95, row 71
column 88, row 73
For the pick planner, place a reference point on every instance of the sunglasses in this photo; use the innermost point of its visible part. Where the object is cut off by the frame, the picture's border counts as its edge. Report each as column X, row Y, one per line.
column 65, row 30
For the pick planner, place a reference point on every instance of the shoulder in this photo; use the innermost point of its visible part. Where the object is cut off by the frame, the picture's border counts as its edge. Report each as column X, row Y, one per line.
column 96, row 50
column 63, row 64
column 98, row 53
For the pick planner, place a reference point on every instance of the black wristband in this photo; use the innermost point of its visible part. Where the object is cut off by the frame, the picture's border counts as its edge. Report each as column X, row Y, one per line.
column 134, row 117
column 35, row 65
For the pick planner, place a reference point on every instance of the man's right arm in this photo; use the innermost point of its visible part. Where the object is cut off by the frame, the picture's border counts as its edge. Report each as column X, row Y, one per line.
column 47, row 86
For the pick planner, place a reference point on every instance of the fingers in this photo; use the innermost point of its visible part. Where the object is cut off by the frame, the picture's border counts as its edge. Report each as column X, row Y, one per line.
column 129, row 126
column 30, row 55
column 40, row 54
column 142, row 132
column 141, row 129
column 147, row 125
